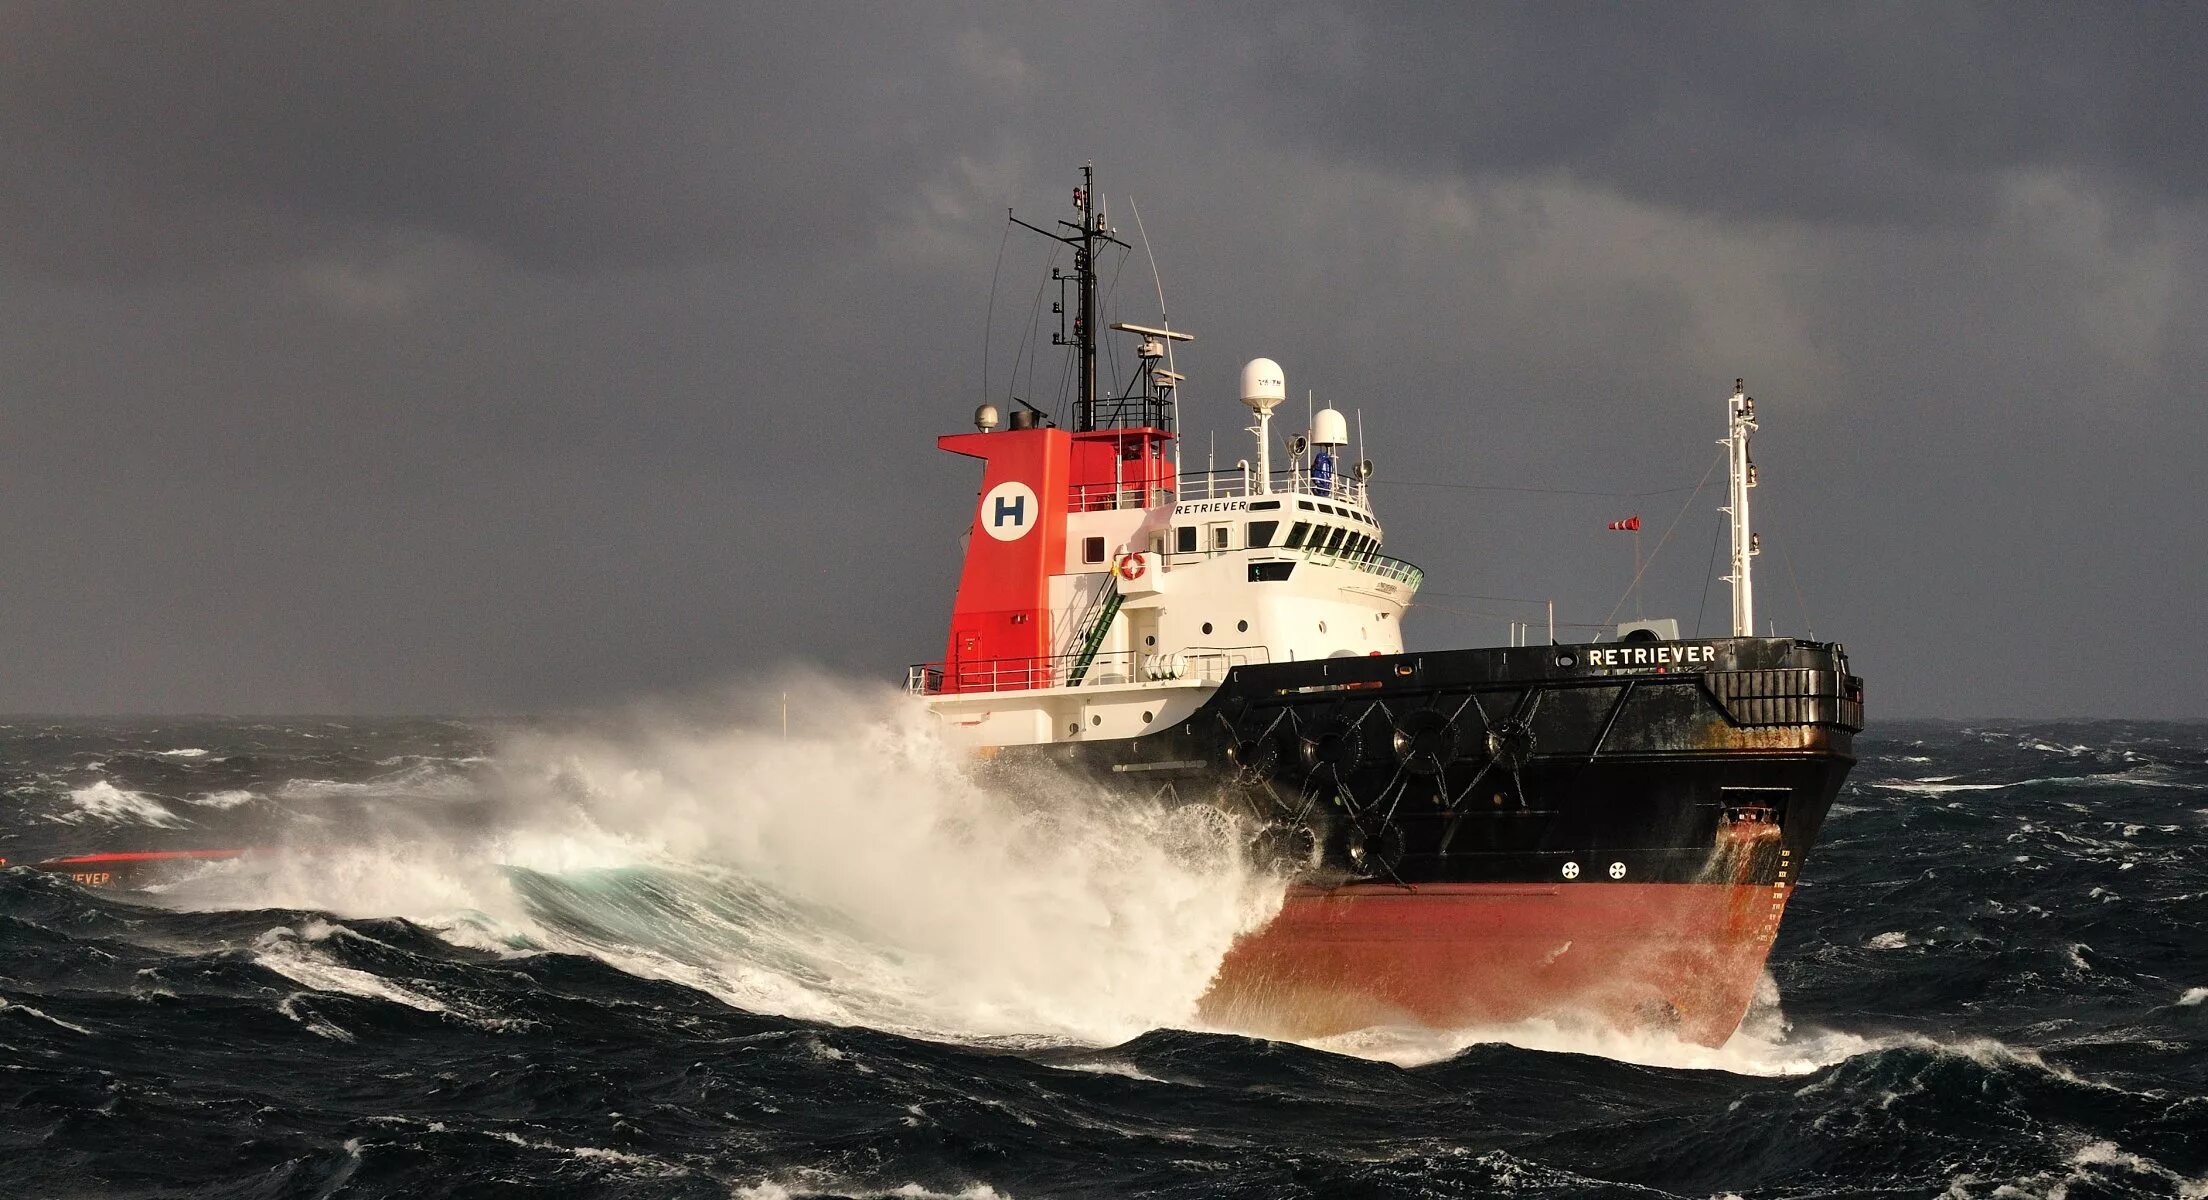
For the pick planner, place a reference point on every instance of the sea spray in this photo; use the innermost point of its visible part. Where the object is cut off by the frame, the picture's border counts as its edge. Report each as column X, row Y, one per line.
column 854, row 870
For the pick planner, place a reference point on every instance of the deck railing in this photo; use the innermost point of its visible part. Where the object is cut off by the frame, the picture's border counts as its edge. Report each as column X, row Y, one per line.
column 1229, row 484
column 1200, row 664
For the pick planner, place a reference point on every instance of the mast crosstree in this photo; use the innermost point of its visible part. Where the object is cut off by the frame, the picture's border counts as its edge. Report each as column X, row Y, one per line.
column 1146, row 401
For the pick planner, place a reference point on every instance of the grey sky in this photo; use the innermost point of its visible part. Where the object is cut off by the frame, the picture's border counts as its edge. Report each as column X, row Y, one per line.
column 391, row 357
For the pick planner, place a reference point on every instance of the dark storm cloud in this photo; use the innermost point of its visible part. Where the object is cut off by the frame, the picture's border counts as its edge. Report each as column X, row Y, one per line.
column 498, row 356
column 148, row 136
column 568, row 135
column 1853, row 112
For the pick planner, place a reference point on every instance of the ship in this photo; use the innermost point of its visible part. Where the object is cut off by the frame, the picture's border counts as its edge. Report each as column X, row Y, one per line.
column 1603, row 830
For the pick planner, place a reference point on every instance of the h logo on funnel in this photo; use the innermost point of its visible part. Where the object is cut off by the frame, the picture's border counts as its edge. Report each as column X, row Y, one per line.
column 1009, row 511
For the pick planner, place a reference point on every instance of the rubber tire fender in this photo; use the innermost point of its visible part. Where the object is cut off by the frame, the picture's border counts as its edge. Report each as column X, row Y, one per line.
column 1425, row 742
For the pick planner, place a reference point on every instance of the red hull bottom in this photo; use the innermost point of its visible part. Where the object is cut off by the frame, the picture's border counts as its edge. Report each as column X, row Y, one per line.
column 1679, row 956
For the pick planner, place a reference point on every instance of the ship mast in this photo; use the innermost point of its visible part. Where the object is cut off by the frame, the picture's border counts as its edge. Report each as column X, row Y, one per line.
column 1740, row 413
column 1091, row 233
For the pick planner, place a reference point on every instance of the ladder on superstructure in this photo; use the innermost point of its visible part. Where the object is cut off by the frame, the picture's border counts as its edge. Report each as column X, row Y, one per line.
column 1108, row 608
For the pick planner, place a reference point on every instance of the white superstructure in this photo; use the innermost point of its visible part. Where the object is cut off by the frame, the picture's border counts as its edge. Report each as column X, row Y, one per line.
column 1161, row 593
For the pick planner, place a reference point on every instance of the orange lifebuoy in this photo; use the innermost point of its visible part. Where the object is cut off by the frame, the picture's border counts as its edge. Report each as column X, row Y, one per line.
column 1129, row 566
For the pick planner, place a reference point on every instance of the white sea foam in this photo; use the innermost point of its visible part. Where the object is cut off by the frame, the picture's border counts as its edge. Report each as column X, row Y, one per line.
column 857, row 875
column 2099, row 1164
column 10, row 1006
column 187, row 752
column 295, row 954
column 1766, row 1043
column 2193, row 997
column 806, row 1185
column 1888, row 941
column 423, row 781
column 1745, row 1053
column 228, row 798
column 317, row 1025
column 1934, row 787
column 2146, row 776
column 639, row 1162
column 1110, row 1067
column 103, row 801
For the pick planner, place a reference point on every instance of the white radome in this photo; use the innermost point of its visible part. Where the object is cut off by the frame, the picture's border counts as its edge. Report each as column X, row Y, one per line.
column 1329, row 428
column 1264, row 385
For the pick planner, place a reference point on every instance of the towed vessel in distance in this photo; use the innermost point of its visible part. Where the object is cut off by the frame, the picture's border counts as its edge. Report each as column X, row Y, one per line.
column 1479, row 836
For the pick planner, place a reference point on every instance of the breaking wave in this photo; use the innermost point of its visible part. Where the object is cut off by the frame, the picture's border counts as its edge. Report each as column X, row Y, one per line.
column 858, row 875
column 103, row 801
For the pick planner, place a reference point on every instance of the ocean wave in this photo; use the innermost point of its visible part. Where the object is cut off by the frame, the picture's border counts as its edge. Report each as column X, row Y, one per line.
column 2100, row 1167
column 668, row 959
column 860, row 878
column 103, row 801
column 227, row 798
column 1935, row 787
column 827, row 1185
column 295, row 954
column 2152, row 776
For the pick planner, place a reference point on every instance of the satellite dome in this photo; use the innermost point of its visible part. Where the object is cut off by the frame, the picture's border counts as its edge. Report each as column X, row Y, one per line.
column 1329, row 428
column 1264, row 387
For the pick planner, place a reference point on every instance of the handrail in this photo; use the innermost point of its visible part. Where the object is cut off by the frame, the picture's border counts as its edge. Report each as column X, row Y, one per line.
column 1229, row 484
column 1202, row 664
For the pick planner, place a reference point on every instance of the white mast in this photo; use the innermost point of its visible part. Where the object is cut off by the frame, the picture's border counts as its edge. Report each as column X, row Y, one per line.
column 1740, row 413
column 1263, row 388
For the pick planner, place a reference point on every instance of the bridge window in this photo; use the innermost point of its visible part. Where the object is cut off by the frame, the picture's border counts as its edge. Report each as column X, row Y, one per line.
column 1092, row 550
column 1334, row 543
column 1261, row 533
column 1184, row 539
column 1295, row 536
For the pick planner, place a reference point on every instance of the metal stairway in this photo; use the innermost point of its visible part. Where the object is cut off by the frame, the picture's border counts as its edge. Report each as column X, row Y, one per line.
column 1108, row 608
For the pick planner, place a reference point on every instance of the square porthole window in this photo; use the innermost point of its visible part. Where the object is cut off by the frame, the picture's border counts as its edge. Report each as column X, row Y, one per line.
column 1092, row 550
column 1219, row 537
column 1184, row 539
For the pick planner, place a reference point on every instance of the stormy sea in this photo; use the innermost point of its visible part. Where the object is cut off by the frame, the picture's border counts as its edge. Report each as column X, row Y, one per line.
column 662, row 956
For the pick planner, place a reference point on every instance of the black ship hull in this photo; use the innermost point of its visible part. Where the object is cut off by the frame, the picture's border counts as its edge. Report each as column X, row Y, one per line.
column 1497, row 834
